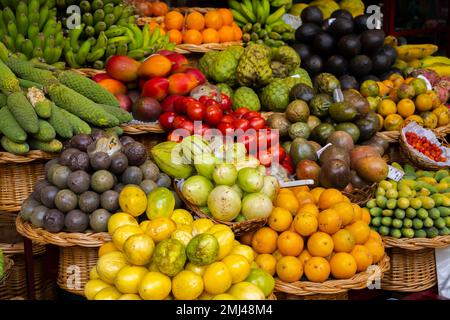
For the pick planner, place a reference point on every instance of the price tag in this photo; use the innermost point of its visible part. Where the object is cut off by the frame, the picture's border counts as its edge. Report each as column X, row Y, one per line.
column 429, row 86
column 338, row 96
column 293, row 21
column 323, row 149
column 395, row 174
column 296, row 183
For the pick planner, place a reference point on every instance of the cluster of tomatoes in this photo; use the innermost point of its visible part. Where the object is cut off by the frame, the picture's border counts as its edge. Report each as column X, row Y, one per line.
column 248, row 126
column 425, row 146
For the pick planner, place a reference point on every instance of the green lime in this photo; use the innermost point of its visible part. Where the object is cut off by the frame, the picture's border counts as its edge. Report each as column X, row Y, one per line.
column 397, row 223
column 422, row 214
column 388, row 213
column 385, row 185
column 383, row 230
column 403, row 203
column 386, row 221
column 420, row 234
column 396, row 233
column 393, row 183
column 415, row 203
column 411, row 213
column 380, row 192
column 392, row 194
column 434, row 213
column 376, row 221
column 428, row 223
column 391, row 204
column 372, row 203
column 439, row 223
column 417, row 224
column 408, row 232
column 432, row 232
column 447, row 222
column 444, row 231
column 374, row 228
column 407, row 223
column 399, row 213
column 445, row 212
column 375, row 212
column 381, row 201
column 427, row 203
column 438, row 199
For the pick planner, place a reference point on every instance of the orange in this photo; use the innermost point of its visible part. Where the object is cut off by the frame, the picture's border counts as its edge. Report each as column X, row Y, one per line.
column 175, row 36
column 265, row 240
column 376, row 249
column 192, row 36
column 304, row 197
column 299, row 188
column 376, row 236
column 153, row 25
column 277, row 255
column 406, row 107
column 393, row 122
column 280, row 219
column 174, row 20
column 155, row 66
column 305, row 224
column 226, row 34
column 237, row 32
column 345, row 211
column 316, row 192
column 396, row 79
column 210, row 36
column 329, row 221
column 357, row 213
column 362, row 256
column 247, row 237
column 424, row 102
column 360, row 231
column 382, row 89
column 389, row 84
column 343, row 241
column 366, row 215
column 288, row 201
column 289, row 269
column 290, row 243
column 329, row 197
column 320, row 244
column 317, row 269
column 195, row 20
column 393, row 95
column 227, row 16
column 346, row 199
column 267, row 262
column 304, row 256
column 409, row 80
column 213, row 19
column 106, row 248
column 434, row 97
column 343, row 265
column 161, row 228
column 386, row 107
column 309, row 208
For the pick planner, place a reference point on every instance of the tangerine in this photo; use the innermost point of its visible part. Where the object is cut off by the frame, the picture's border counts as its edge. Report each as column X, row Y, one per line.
column 175, row 36
column 376, row 249
column 288, row 201
column 267, row 262
column 329, row 221
column 317, row 269
column 320, row 244
column 280, row 219
column 329, row 197
column 360, row 231
column 290, row 243
column 343, row 241
column 406, row 107
column 345, row 211
column 289, row 269
column 227, row 16
column 362, row 256
column 195, row 20
column 192, row 36
column 210, row 35
column 226, row 34
column 174, row 20
column 305, row 224
column 265, row 240
column 309, row 208
column 343, row 265
column 304, row 198
column 213, row 19
column 304, row 256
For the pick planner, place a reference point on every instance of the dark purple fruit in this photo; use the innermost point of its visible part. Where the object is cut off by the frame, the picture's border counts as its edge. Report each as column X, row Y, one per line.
column 98, row 220
column 79, row 161
column 37, row 216
column 136, row 153
column 97, row 134
column 109, row 200
column 124, row 140
column 119, row 162
column 53, row 220
column 102, row 181
column 48, row 195
column 132, row 175
column 79, row 181
column 64, row 159
column 88, row 201
column 76, row 221
column 27, row 208
column 81, row 142
column 50, row 163
column 100, row 161
column 60, row 176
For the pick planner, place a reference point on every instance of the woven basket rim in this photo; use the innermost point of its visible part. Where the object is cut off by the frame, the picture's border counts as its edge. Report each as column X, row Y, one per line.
column 135, row 129
column 358, row 281
column 393, row 136
column 34, row 155
column 18, row 248
column 61, row 239
column 9, row 263
column 417, row 243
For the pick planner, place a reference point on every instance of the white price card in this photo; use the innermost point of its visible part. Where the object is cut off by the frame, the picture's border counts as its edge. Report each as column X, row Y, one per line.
column 323, row 149
column 293, row 21
column 338, row 96
column 395, row 174
column 296, row 183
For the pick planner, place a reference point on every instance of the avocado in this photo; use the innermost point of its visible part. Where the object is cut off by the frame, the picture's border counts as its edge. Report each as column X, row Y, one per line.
column 390, row 52
column 313, row 64
column 296, row 111
column 88, row 201
column 360, row 23
column 336, row 65
column 348, row 82
column 303, row 50
column 307, row 32
column 76, row 221
column 372, row 40
column 323, row 44
column 81, row 142
column 280, row 123
column 299, row 130
column 312, row 14
column 368, row 126
column 119, row 162
column 48, row 195
column 351, row 128
column 301, row 150
column 380, row 63
column 98, row 220
column 341, row 13
column 320, row 104
column 79, row 181
column 136, row 153
column 360, row 103
column 100, row 161
column 132, row 175
column 341, row 27
column 66, row 200
column 301, row 91
column 349, row 45
column 342, row 112
column 103, row 180
column 334, row 174
column 321, row 133
column 53, row 220
column 109, row 200
column 360, row 65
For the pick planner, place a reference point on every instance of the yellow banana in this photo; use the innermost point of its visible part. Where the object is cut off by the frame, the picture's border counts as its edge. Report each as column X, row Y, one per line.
column 391, row 40
column 441, row 70
column 415, row 51
column 429, row 61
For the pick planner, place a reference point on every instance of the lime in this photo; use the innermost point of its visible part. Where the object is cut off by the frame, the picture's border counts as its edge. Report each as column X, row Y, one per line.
column 439, row 223
column 403, row 203
column 415, row 203
column 391, row 203
column 434, row 213
column 383, row 230
column 408, row 232
column 438, row 199
column 375, row 212
column 374, row 228
column 445, row 212
column 396, row 233
column 372, row 203
column 432, row 232
column 422, row 214
column 386, row 221
column 397, row 223
column 427, row 203
column 385, row 185
column 381, row 201
column 447, row 222
column 392, row 194
column 420, row 233
column 407, row 223
column 399, row 213
column 411, row 213
column 387, row 213
column 380, row 192
column 393, row 183
column 444, row 231
column 417, row 224
column 428, row 223
column 376, row 221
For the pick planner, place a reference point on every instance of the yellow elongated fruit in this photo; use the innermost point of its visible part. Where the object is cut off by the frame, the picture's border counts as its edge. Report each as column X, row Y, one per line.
column 415, row 51
column 429, row 61
column 441, row 70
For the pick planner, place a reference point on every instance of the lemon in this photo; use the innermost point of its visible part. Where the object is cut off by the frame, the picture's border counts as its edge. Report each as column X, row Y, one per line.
column 109, row 265
column 129, row 296
column 187, row 285
column 238, row 266
column 224, row 296
column 182, row 235
column 123, row 233
column 424, row 102
column 128, row 279
column 246, row 291
column 108, row 293
column 161, row 228
column 155, row 286
column 386, row 107
column 93, row 275
column 205, row 296
column 181, row 216
column 245, row 251
column 225, row 237
column 200, row 270
column 217, row 278
column 139, row 249
column 201, row 226
column 144, row 224
column 120, row 219
column 133, row 200
column 106, row 248
column 93, row 287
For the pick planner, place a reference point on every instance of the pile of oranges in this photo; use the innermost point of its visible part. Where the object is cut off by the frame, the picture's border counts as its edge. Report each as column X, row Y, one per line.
column 397, row 101
column 216, row 26
column 315, row 233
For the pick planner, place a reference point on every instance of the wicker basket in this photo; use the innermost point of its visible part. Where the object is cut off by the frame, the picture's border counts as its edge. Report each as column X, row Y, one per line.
column 332, row 287
column 361, row 196
column 8, row 232
column 334, row 296
column 393, row 136
column 9, row 263
column 238, row 228
column 133, row 129
column 417, row 243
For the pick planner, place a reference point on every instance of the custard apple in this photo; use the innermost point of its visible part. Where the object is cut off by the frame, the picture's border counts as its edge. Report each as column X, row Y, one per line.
column 246, row 97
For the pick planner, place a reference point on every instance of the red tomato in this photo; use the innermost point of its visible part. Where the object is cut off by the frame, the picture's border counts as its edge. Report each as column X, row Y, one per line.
column 277, row 152
column 188, row 125
column 177, row 122
column 241, row 124
column 257, row 123
column 287, row 164
column 168, row 103
column 227, row 119
column 195, row 111
column 210, row 102
column 166, row 120
column 251, row 114
column 225, row 127
column 241, row 111
column 213, row 115
column 179, row 106
column 203, row 99
column 273, row 137
column 225, row 102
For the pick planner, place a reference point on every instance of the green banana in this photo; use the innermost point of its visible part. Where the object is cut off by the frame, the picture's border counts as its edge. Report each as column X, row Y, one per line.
column 110, row 50
column 122, row 49
column 99, row 15
column 260, row 14
column 8, row 15
column 266, row 10
column 108, row 8
column 118, row 10
column 19, row 40
column 43, row 14
column 21, row 8
column 49, row 54
column 95, row 55
column 114, row 40
column 100, row 26
column 2, row 23
column 97, row 4
column 234, row 5
column 115, row 31
column 83, row 52
column 9, row 42
column 71, row 59
column 110, row 19
column 12, row 29
column 59, row 39
column 39, row 41
column 99, row 65
column 22, row 24
column 274, row 17
column 102, row 41
column 33, row 17
column 154, row 37
column 88, row 19
column 33, row 6
column 85, row 6
column 247, row 12
column 89, row 31
column 50, row 27
column 136, row 54
column 74, row 35
column 33, row 30
column 4, row 52
column 239, row 17
column 133, row 42
column 138, row 36
column 60, row 65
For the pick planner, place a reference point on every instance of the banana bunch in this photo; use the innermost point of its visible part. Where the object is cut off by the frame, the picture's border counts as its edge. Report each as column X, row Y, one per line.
column 31, row 30
column 439, row 64
column 127, row 40
column 259, row 24
column 411, row 52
